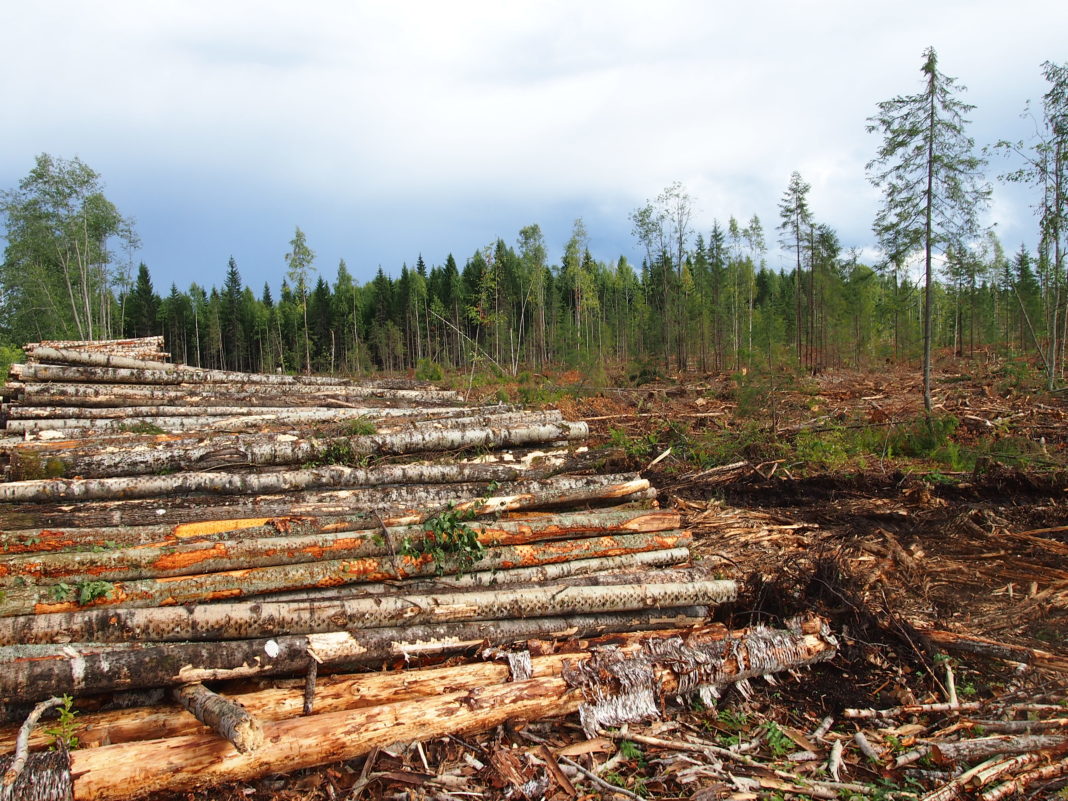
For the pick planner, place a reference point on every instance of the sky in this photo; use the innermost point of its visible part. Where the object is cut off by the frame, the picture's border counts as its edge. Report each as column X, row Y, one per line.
column 386, row 130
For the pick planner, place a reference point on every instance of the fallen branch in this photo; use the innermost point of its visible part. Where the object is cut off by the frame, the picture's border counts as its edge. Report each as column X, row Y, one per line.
column 227, row 718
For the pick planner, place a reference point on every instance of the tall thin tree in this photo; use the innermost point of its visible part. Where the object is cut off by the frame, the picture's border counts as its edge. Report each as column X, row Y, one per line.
column 931, row 179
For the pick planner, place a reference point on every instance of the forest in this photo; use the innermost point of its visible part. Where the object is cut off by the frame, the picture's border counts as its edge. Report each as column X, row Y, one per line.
column 702, row 300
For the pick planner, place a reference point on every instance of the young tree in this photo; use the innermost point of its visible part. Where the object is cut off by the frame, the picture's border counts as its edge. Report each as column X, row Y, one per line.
column 1046, row 166
column 232, row 330
column 796, row 219
column 299, row 265
column 930, row 176
column 142, row 305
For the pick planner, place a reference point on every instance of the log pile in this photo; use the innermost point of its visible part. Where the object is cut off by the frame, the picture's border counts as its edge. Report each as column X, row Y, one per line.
column 163, row 527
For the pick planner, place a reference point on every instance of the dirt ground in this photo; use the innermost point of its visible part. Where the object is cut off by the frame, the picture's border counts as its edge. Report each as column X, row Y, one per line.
column 788, row 490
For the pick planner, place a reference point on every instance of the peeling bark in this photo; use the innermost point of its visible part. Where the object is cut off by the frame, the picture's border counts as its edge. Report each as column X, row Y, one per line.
column 226, row 717
column 233, row 584
column 229, row 621
column 168, row 664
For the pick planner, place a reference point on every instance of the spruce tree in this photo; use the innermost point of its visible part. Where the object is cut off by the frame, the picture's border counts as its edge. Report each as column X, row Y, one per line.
column 931, row 180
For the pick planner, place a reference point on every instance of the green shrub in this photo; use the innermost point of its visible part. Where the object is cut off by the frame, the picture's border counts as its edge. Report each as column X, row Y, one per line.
column 9, row 355
column 429, row 370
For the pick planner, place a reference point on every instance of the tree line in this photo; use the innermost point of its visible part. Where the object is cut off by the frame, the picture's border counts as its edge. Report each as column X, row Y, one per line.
column 704, row 300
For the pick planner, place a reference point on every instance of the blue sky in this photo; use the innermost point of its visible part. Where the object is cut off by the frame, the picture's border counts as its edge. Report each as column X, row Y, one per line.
column 386, row 130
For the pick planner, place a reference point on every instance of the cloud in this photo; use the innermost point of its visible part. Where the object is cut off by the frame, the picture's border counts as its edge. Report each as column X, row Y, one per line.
column 389, row 129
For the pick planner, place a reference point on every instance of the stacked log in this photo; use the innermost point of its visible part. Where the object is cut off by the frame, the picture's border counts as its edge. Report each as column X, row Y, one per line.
column 355, row 714
column 164, row 526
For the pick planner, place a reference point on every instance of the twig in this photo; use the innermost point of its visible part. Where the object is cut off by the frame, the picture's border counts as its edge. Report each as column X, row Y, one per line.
column 605, row 785
column 309, row 681
column 866, row 747
column 22, row 742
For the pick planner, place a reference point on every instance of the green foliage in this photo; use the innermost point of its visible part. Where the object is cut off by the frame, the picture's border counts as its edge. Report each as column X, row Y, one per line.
column 360, row 427
column 645, row 369
column 60, row 592
column 449, row 541
column 778, row 743
column 429, row 370
column 89, row 591
column 9, row 355
column 635, row 446
column 630, row 750
column 62, row 733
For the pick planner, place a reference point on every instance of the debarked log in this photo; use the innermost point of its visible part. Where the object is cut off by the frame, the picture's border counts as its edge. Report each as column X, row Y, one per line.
column 233, row 584
column 229, row 621
column 29, row 677
column 189, row 549
column 397, row 505
column 122, row 771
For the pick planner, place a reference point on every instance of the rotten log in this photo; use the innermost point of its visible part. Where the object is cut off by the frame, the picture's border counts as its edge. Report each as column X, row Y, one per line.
column 30, row 676
column 401, row 504
column 229, row 621
column 184, row 550
column 226, row 717
column 168, row 453
column 116, row 772
column 233, row 584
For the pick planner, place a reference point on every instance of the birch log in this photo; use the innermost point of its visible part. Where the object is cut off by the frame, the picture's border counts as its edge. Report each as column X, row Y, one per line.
column 64, row 490
column 232, row 584
column 230, row 621
column 170, row 374
column 117, row 395
column 400, row 504
column 302, row 540
column 31, row 677
column 172, row 453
